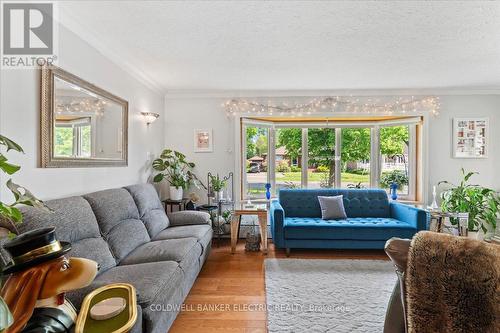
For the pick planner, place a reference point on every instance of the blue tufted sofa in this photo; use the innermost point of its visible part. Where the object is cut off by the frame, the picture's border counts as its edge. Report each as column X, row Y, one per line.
column 371, row 220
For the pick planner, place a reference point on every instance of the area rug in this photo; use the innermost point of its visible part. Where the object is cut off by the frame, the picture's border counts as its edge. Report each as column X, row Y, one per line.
column 318, row 295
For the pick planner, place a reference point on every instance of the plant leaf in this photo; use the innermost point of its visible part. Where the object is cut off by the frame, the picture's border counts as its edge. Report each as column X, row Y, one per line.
column 159, row 165
column 4, row 141
column 10, row 213
column 25, row 197
column 470, row 174
column 158, row 178
column 8, row 168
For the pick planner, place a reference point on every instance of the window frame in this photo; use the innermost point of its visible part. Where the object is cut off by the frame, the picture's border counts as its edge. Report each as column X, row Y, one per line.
column 414, row 149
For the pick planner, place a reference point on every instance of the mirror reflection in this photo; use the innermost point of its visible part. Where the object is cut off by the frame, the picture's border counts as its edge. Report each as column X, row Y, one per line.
column 86, row 125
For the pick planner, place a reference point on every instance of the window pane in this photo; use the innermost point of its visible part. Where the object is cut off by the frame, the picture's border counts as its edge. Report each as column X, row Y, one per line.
column 355, row 159
column 321, row 163
column 256, row 163
column 85, row 141
column 288, row 172
column 394, row 147
column 63, row 141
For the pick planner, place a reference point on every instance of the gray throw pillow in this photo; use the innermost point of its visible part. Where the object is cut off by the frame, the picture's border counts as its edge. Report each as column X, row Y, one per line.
column 332, row 208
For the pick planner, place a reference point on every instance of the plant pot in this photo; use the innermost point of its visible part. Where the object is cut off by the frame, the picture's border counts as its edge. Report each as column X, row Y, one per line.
column 481, row 235
column 490, row 232
column 476, row 234
column 219, row 195
column 176, row 193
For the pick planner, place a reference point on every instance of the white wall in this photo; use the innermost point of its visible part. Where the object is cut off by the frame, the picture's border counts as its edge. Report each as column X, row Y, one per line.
column 19, row 120
column 183, row 114
column 441, row 164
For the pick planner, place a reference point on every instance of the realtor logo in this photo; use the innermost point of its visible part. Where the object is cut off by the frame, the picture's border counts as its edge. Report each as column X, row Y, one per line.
column 28, row 28
column 28, row 34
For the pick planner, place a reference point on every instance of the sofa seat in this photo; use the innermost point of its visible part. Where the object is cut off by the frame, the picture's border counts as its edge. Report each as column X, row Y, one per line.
column 359, row 228
column 160, row 278
column 197, row 231
column 202, row 232
column 184, row 251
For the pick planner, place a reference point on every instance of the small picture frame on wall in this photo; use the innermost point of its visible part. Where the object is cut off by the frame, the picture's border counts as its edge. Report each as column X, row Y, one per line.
column 470, row 137
column 203, row 141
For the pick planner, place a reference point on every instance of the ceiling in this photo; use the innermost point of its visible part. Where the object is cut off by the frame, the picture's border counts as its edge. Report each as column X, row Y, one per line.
column 300, row 45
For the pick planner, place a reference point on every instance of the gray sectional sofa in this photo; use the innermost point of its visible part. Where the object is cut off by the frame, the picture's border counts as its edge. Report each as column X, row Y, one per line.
column 128, row 233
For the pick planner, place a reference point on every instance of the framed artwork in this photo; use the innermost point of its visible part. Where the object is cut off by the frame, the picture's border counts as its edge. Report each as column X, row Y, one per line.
column 203, row 141
column 470, row 137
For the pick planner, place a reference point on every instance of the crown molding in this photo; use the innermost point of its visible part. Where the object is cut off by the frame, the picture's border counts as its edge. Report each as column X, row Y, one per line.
column 340, row 92
column 120, row 58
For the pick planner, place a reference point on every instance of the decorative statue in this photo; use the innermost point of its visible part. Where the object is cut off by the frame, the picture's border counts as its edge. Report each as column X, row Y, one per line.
column 39, row 275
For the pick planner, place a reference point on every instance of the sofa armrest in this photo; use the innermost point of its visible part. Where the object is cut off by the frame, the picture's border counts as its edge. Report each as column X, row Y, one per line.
column 417, row 217
column 188, row 217
column 277, row 217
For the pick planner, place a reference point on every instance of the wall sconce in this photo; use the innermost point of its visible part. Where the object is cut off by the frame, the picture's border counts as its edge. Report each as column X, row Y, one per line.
column 150, row 117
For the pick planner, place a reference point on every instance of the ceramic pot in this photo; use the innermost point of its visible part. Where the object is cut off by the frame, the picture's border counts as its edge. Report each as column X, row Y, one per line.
column 175, row 193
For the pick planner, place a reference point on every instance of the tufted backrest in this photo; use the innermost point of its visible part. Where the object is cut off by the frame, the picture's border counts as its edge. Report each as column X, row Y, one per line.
column 118, row 219
column 75, row 223
column 151, row 211
column 357, row 202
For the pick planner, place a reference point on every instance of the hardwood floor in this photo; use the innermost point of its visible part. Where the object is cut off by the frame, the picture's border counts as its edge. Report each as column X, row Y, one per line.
column 230, row 288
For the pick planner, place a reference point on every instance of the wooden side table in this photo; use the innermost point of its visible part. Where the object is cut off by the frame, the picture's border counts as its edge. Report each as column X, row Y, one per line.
column 180, row 204
column 241, row 209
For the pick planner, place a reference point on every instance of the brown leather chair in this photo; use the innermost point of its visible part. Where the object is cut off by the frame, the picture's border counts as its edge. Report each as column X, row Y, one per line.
column 395, row 318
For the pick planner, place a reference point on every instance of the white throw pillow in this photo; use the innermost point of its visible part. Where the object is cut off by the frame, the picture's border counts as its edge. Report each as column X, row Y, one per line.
column 332, row 208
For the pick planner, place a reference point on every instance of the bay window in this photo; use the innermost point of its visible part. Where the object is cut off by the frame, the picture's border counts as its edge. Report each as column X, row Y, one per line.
column 367, row 153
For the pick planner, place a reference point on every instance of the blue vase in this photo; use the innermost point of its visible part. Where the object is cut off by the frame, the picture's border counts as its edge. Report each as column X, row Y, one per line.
column 268, row 191
column 394, row 191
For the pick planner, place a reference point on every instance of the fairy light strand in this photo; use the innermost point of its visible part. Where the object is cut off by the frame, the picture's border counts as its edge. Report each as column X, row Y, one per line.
column 333, row 104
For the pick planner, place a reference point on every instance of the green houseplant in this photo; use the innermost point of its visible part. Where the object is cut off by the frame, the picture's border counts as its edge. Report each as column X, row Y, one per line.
column 173, row 167
column 481, row 203
column 217, row 184
column 9, row 213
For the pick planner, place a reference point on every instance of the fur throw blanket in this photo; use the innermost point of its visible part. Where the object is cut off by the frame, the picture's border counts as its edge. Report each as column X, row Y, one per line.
column 452, row 285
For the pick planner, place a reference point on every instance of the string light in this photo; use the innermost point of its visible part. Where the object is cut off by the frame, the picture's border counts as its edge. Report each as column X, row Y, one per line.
column 332, row 104
column 80, row 105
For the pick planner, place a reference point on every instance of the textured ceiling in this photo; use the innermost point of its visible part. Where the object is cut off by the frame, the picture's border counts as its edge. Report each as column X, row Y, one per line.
column 276, row 45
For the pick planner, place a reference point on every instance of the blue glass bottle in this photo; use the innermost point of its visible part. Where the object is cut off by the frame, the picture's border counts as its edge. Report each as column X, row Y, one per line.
column 394, row 191
column 268, row 191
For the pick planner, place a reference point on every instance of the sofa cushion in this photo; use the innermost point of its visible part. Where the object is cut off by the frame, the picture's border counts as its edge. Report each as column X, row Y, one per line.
column 196, row 231
column 118, row 219
column 359, row 228
column 332, row 207
column 76, row 223
column 184, row 251
column 357, row 203
column 149, row 279
column 151, row 210
column 202, row 232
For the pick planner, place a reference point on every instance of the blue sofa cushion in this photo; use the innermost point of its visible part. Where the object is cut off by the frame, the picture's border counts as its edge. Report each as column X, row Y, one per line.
column 358, row 228
column 357, row 203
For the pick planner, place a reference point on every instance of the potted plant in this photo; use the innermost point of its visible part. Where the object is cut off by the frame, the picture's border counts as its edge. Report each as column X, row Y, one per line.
column 217, row 184
column 482, row 204
column 173, row 167
column 10, row 213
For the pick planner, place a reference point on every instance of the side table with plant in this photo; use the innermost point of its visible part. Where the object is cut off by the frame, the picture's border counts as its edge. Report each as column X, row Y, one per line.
column 481, row 203
column 173, row 167
column 9, row 213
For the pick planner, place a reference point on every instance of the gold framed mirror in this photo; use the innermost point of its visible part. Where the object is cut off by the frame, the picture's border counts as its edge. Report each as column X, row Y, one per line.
column 81, row 125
